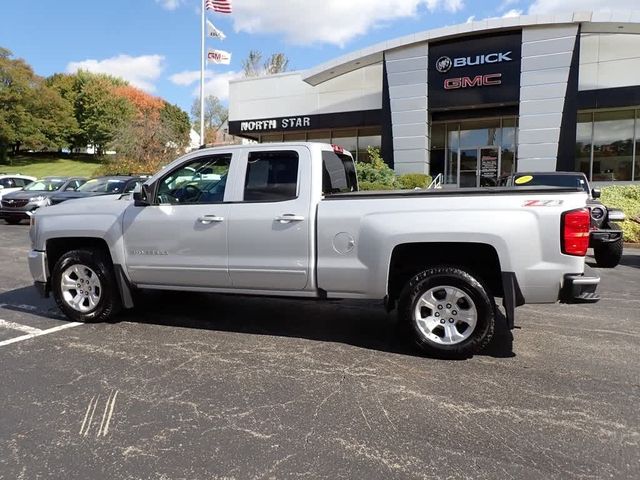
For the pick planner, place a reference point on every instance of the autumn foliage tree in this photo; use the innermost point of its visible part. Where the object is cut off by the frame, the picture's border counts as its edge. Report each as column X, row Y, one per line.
column 150, row 138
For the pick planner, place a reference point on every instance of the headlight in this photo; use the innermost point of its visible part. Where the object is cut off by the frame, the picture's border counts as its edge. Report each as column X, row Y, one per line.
column 37, row 199
column 597, row 213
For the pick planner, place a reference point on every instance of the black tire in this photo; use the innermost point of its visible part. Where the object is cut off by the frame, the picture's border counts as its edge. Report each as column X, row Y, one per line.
column 608, row 255
column 109, row 303
column 13, row 221
column 479, row 338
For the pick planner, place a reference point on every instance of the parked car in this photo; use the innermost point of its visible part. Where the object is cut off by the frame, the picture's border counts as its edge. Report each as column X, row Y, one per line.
column 18, row 206
column 606, row 235
column 13, row 182
column 108, row 185
column 290, row 222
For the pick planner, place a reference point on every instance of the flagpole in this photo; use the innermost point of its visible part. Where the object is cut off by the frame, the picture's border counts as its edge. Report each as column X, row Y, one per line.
column 202, row 66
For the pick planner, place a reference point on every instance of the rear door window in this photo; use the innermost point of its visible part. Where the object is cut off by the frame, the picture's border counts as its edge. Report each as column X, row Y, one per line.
column 271, row 177
column 338, row 173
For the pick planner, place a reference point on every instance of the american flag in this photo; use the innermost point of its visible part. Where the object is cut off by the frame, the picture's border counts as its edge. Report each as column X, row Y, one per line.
column 219, row 6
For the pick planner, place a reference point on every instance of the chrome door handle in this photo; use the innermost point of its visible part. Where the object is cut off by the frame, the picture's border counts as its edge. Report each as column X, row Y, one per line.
column 207, row 219
column 288, row 218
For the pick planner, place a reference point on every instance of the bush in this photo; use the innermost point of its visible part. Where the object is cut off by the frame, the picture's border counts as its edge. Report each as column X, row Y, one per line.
column 409, row 181
column 627, row 198
column 364, row 185
column 375, row 172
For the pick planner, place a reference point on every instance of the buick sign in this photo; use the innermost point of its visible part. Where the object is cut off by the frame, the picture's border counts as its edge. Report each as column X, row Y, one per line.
column 443, row 64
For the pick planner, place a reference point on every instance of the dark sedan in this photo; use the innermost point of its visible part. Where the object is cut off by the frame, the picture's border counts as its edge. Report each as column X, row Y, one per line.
column 17, row 206
column 112, row 185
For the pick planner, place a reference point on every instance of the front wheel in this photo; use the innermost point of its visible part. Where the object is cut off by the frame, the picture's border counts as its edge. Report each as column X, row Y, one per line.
column 448, row 311
column 608, row 255
column 84, row 286
column 13, row 221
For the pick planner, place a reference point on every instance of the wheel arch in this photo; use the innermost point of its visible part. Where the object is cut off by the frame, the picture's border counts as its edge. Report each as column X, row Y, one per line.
column 408, row 259
column 57, row 247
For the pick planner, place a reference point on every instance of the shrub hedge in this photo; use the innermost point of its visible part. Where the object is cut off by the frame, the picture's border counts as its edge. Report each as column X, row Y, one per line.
column 627, row 198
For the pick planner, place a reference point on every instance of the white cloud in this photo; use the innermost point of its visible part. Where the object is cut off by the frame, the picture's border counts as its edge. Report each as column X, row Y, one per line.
column 514, row 12
column 214, row 83
column 185, row 78
column 170, row 4
column 470, row 19
column 554, row 6
column 142, row 71
column 327, row 21
column 506, row 4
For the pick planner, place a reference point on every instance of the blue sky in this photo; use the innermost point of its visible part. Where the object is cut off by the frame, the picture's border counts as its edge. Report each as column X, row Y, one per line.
column 155, row 43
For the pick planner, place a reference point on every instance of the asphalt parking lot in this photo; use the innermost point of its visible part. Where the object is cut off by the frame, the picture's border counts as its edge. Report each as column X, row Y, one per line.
column 206, row 387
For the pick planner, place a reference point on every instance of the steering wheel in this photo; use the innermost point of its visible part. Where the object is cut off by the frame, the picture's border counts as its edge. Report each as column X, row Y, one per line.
column 191, row 193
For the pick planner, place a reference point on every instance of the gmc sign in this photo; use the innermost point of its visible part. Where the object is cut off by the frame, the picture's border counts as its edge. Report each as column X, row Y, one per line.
column 477, row 81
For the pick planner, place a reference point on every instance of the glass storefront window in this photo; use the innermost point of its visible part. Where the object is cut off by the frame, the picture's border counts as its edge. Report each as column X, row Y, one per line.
column 508, row 144
column 295, row 137
column 606, row 142
column 613, row 145
column 479, row 133
column 583, row 143
column 438, row 135
column 270, row 138
column 347, row 139
column 365, row 142
column 636, row 169
column 320, row 136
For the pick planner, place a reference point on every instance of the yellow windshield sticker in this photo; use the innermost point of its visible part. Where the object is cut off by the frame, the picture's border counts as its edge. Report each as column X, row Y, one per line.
column 524, row 179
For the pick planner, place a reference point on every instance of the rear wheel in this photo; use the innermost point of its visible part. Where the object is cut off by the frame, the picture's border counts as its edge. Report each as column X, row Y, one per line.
column 448, row 311
column 608, row 255
column 84, row 286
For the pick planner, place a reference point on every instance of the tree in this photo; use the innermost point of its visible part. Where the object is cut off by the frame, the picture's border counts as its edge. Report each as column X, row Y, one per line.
column 215, row 115
column 100, row 113
column 178, row 123
column 276, row 63
column 253, row 66
column 31, row 113
column 154, row 135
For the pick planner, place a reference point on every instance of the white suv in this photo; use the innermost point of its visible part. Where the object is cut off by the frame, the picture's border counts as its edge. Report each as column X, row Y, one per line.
column 13, row 182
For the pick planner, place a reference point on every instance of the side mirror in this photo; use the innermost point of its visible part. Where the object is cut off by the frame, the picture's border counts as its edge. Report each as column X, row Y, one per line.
column 141, row 195
column 595, row 193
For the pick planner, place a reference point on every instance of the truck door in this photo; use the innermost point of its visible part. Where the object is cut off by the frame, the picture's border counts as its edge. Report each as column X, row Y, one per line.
column 181, row 239
column 270, row 226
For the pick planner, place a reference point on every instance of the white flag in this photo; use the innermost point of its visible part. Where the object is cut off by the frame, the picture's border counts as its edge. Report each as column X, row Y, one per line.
column 219, row 56
column 212, row 31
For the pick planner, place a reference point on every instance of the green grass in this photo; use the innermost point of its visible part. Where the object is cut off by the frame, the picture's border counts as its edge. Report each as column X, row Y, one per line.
column 40, row 166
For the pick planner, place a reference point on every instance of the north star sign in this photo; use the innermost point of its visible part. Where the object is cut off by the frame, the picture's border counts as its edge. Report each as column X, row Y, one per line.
column 275, row 124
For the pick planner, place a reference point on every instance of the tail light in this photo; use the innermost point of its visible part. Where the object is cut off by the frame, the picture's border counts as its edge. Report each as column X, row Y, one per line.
column 575, row 232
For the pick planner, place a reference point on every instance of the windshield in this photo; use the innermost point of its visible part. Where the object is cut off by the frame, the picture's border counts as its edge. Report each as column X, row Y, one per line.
column 551, row 180
column 45, row 185
column 103, row 185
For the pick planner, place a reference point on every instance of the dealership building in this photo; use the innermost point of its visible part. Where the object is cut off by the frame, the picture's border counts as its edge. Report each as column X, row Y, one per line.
column 471, row 101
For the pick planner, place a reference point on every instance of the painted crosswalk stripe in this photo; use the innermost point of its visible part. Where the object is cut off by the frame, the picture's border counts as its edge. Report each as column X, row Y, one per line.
column 39, row 333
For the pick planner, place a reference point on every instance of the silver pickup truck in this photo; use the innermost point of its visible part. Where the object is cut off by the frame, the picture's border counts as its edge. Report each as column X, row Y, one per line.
column 287, row 220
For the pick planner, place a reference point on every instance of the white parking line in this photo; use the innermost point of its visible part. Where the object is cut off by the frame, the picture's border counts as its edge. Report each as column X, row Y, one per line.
column 19, row 327
column 39, row 333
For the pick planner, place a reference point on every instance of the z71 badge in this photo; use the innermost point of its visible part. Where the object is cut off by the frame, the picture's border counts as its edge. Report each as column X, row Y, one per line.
column 543, row 203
